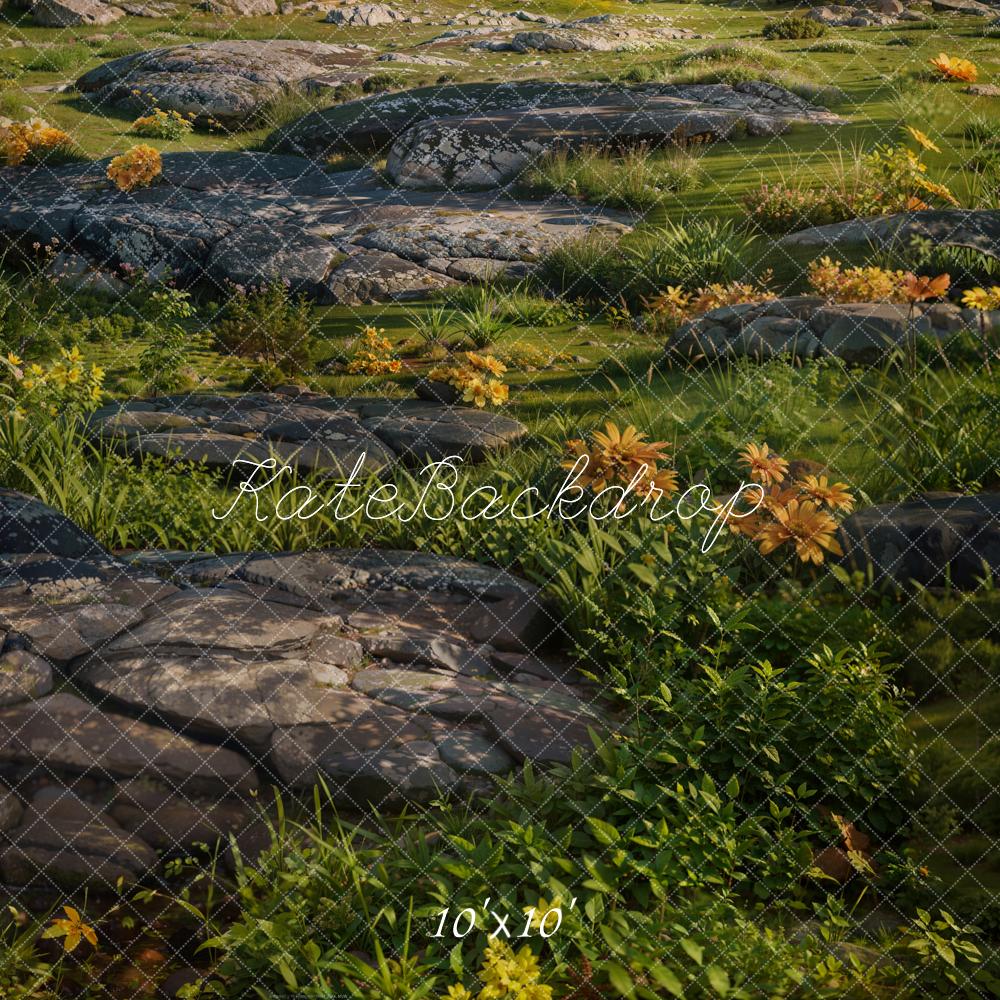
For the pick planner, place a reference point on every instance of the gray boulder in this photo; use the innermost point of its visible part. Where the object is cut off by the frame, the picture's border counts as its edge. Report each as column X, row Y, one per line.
column 933, row 540
column 367, row 15
column 863, row 333
column 72, row 13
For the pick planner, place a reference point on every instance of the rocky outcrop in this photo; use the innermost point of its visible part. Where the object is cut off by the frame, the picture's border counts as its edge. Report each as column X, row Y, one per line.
column 600, row 33
column 366, row 15
column 978, row 229
column 309, row 431
column 227, row 81
column 864, row 14
column 73, row 13
column 934, row 540
column 650, row 113
column 241, row 8
column 493, row 147
column 247, row 218
column 392, row 676
column 805, row 327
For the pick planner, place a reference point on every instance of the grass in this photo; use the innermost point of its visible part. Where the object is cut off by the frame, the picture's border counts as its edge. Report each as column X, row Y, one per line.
column 57, row 60
column 636, row 180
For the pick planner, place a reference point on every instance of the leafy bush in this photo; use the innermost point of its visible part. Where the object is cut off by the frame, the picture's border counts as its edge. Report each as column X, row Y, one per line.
column 270, row 325
column 160, row 124
column 793, row 27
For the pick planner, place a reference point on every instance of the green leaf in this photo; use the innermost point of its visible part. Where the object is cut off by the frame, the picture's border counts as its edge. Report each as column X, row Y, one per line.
column 455, row 960
column 667, row 979
column 718, row 979
column 733, row 787
column 694, row 950
column 620, row 979
column 603, row 831
column 286, row 973
column 644, row 574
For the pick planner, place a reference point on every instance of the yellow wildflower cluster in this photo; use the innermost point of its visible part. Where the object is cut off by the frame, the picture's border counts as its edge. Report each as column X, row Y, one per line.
column 479, row 379
column 675, row 305
column 19, row 140
column 373, row 356
column 62, row 386
column 160, row 124
column 505, row 976
column 140, row 166
column 799, row 512
column 898, row 179
column 622, row 457
column 953, row 68
column 836, row 283
column 982, row 298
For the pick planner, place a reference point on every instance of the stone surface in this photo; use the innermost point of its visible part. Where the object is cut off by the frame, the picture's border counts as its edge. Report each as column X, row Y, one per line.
column 932, row 540
column 246, row 218
column 392, row 676
column 61, row 732
column 652, row 112
column 977, row 229
column 493, row 147
column 367, row 15
column 228, row 81
column 805, row 327
column 23, row 676
column 320, row 434
column 863, row 15
column 73, row 13
column 64, row 842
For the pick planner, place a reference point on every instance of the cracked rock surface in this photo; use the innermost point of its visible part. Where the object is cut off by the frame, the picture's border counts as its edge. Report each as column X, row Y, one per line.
column 200, row 679
column 246, row 218
column 324, row 435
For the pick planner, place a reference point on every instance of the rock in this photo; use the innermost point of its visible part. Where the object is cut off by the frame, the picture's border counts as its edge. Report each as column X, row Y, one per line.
column 217, row 218
column 241, row 8
column 168, row 821
column 771, row 337
column 835, row 863
column 805, row 327
column 62, row 733
column 11, row 810
column 71, row 13
column 65, row 843
column 228, row 81
column 651, row 112
column 932, row 541
column 495, row 147
column 978, row 229
column 28, row 526
column 418, row 59
column 863, row 333
column 313, row 433
column 23, row 676
column 971, row 8
column 469, row 751
column 983, row 90
column 576, row 36
column 367, row 15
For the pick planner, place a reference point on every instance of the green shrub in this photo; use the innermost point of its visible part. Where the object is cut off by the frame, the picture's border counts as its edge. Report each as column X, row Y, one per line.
column 57, row 60
column 269, row 325
column 793, row 27
column 162, row 327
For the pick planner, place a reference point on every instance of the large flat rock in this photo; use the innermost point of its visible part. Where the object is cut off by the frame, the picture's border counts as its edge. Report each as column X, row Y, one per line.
column 248, row 218
column 594, row 113
column 228, row 81
column 978, row 229
column 63, row 733
column 327, row 436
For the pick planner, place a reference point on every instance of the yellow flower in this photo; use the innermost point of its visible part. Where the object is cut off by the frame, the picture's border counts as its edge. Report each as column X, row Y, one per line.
column 765, row 467
column 71, row 929
column 953, row 68
column 835, row 497
column 535, row 992
column 13, row 359
column 140, row 166
column 804, row 524
column 980, row 298
column 475, row 391
column 457, row 992
column 923, row 139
